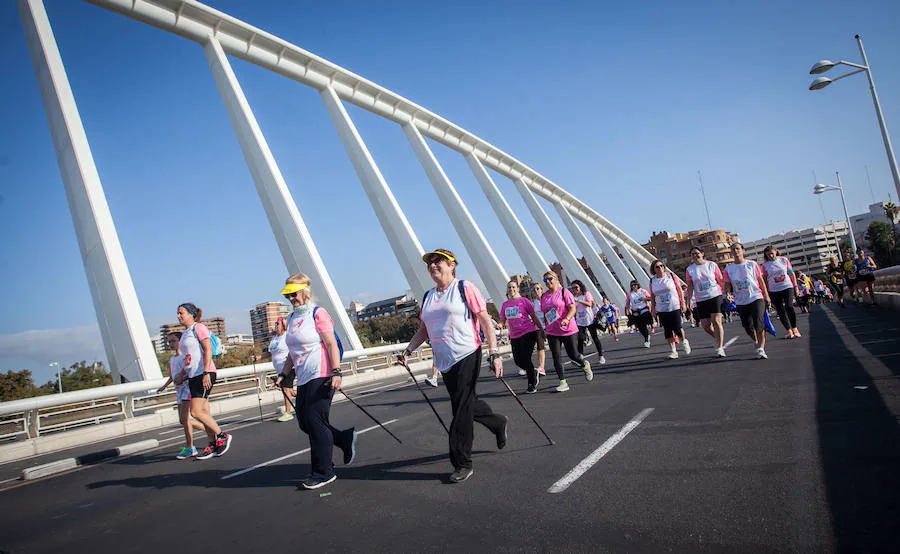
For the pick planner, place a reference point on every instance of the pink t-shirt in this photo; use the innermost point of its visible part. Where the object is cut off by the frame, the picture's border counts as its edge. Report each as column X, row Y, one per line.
column 705, row 278
column 453, row 331
column 744, row 281
column 304, row 341
column 517, row 314
column 555, row 306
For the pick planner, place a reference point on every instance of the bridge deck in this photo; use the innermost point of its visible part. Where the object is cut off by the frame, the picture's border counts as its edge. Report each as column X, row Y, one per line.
column 738, row 454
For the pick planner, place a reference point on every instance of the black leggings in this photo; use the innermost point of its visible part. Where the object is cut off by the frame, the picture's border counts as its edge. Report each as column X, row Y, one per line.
column 784, row 305
column 582, row 338
column 568, row 342
column 643, row 321
column 522, row 349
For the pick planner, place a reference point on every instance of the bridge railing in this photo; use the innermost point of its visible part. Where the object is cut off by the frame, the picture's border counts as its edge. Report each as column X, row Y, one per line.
column 33, row 417
column 888, row 279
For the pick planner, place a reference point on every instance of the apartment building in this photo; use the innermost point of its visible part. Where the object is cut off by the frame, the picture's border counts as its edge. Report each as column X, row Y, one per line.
column 262, row 320
column 809, row 250
column 675, row 250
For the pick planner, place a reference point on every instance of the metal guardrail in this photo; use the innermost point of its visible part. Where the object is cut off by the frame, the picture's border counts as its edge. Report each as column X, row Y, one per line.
column 888, row 279
column 32, row 417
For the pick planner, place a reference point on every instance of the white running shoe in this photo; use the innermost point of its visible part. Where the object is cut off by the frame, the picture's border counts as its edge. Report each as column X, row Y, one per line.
column 602, row 360
column 541, row 371
column 687, row 347
column 522, row 373
column 562, row 387
column 646, row 344
column 432, row 381
column 720, row 352
column 761, row 354
column 673, row 355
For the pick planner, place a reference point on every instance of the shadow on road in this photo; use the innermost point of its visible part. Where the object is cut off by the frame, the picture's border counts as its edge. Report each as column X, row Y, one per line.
column 859, row 443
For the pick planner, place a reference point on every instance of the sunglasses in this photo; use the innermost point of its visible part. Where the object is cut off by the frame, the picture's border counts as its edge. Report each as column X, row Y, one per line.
column 291, row 295
column 435, row 260
column 548, row 279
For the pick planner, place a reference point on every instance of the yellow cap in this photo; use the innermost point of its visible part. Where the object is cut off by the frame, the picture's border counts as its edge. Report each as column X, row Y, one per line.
column 291, row 288
column 427, row 255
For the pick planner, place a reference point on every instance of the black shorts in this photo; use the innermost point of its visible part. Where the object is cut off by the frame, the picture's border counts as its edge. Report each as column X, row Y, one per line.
column 851, row 282
column 196, row 386
column 706, row 308
column 671, row 322
column 866, row 278
column 753, row 316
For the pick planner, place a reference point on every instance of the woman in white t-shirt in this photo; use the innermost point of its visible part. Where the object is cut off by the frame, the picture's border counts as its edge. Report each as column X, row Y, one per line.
column 637, row 308
column 278, row 350
column 585, row 313
column 453, row 315
column 745, row 279
column 182, row 397
column 781, row 282
column 667, row 302
column 536, row 292
column 705, row 283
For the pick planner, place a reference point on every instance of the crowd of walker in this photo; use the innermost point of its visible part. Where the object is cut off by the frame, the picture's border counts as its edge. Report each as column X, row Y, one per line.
column 454, row 320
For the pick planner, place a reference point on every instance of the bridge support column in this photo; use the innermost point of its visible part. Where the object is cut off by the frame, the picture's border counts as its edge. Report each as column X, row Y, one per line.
column 125, row 338
column 604, row 276
column 535, row 264
column 407, row 248
column 638, row 270
column 623, row 275
column 563, row 253
column 486, row 262
column 293, row 238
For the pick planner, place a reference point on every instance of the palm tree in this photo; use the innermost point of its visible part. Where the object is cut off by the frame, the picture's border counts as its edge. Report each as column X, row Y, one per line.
column 891, row 211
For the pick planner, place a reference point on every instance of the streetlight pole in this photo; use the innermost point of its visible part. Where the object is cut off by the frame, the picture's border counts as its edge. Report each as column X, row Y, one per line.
column 58, row 375
column 840, row 187
column 821, row 82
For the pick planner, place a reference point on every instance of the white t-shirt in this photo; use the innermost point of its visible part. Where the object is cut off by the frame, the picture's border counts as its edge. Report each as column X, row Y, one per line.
column 176, row 366
column 279, row 350
column 584, row 315
column 452, row 330
column 537, row 310
column 189, row 345
column 304, row 340
column 743, row 279
column 705, row 278
column 637, row 300
column 665, row 291
column 777, row 273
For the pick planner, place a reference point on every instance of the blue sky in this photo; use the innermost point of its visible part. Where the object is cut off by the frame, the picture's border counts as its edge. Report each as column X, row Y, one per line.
column 619, row 103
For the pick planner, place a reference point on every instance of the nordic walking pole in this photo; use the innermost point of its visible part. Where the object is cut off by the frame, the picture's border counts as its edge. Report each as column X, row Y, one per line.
column 416, row 381
column 519, row 400
column 371, row 416
column 255, row 376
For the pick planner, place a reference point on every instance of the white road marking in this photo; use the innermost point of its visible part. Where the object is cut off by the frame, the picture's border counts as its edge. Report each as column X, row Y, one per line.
column 291, row 455
column 221, row 423
column 595, row 456
column 877, row 341
column 730, row 341
column 10, row 480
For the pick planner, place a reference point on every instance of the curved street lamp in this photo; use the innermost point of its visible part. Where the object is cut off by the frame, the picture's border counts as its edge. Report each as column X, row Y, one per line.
column 819, row 83
column 819, row 189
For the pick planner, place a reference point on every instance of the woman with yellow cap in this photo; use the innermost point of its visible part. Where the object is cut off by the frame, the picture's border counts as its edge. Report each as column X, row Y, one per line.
column 315, row 358
column 453, row 316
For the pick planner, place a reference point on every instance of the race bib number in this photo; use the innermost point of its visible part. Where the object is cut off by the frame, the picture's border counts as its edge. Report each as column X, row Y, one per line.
column 865, row 271
column 780, row 278
column 665, row 298
column 704, row 286
column 742, row 285
column 838, row 281
column 512, row 312
column 551, row 316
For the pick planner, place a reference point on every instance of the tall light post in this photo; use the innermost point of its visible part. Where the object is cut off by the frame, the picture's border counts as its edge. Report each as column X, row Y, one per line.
column 58, row 375
column 820, row 188
column 821, row 82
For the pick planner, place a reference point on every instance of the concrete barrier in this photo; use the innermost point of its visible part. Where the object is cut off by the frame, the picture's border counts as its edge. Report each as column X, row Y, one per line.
column 52, row 468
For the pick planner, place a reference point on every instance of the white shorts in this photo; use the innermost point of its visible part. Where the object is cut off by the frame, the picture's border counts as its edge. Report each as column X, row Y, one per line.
column 183, row 392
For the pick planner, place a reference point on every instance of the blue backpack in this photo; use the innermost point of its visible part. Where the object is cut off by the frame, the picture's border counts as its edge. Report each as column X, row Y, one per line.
column 336, row 337
column 214, row 341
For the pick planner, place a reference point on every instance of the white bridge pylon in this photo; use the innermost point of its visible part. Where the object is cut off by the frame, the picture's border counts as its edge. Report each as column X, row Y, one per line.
column 124, row 333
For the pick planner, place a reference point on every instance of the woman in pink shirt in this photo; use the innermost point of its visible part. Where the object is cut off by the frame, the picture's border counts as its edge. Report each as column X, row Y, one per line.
column 315, row 358
column 558, row 306
column 517, row 314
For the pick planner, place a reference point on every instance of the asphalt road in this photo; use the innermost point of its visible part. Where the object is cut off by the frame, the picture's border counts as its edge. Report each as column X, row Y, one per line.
column 797, row 453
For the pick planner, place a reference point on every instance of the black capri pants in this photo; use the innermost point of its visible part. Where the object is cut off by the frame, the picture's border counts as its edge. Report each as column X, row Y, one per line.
column 753, row 316
column 671, row 322
column 567, row 342
column 522, row 348
column 784, row 305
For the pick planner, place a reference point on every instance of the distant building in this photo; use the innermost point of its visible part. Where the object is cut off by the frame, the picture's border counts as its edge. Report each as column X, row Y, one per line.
column 861, row 222
column 159, row 344
column 262, row 320
column 239, row 339
column 353, row 311
column 675, row 250
column 809, row 250
column 398, row 305
column 216, row 326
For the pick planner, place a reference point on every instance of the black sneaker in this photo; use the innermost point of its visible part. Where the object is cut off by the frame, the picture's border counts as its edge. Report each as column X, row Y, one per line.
column 206, row 453
column 461, row 474
column 223, row 443
column 316, row 482
column 501, row 436
column 349, row 445
column 530, row 390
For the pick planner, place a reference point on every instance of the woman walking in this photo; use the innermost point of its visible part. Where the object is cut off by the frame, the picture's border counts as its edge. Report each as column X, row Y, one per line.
column 667, row 303
column 536, row 293
column 637, row 308
column 704, row 281
column 196, row 346
column 585, row 312
column 745, row 279
column 517, row 314
column 558, row 306
column 804, row 286
column 865, row 271
column 453, row 316
column 781, row 282
column 835, row 273
column 279, row 351
column 315, row 359
column 182, row 397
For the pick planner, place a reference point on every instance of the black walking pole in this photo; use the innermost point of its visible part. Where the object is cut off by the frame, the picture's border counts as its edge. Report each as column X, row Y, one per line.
column 519, row 400
column 371, row 416
column 258, row 384
column 416, row 381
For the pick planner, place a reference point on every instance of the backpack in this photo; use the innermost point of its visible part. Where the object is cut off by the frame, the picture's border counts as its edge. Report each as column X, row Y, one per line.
column 336, row 338
column 462, row 294
column 214, row 341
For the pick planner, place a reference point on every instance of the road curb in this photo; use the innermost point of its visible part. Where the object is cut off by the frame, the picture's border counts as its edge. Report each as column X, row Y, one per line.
column 68, row 464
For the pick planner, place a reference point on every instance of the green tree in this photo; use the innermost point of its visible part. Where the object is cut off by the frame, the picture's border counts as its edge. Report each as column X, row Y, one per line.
column 15, row 385
column 79, row 376
column 891, row 211
column 388, row 329
column 883, row 240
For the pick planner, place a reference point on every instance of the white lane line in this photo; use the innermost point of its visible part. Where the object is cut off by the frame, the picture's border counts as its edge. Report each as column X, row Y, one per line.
column 223, row 422
column 10, row 480
column 291, row 455
column 731, row 341
column 595, row 456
